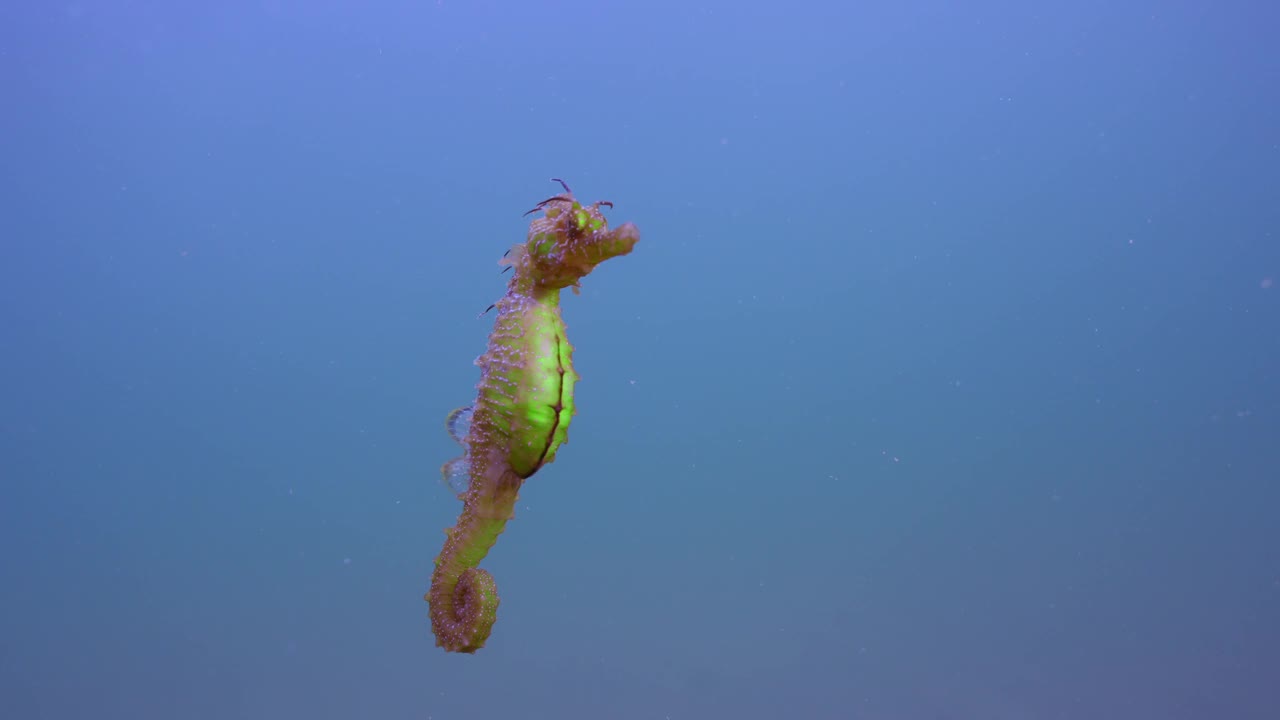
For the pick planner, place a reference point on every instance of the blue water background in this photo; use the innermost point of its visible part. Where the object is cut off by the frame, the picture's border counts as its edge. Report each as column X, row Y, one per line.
column 943, row 383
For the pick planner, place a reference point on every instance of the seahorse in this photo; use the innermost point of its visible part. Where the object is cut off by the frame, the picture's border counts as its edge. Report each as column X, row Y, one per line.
column 523, row 406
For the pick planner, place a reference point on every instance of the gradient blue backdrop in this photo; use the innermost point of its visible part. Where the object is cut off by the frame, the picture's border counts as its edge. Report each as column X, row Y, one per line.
column 944, row 382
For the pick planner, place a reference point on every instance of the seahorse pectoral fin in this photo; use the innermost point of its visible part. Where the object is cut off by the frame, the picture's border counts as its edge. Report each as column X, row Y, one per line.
column 457, row 474
column 458, row 423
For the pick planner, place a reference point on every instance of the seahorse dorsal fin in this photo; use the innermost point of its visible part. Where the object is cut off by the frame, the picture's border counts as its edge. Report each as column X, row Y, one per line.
column 459, row 424
column 457, row 474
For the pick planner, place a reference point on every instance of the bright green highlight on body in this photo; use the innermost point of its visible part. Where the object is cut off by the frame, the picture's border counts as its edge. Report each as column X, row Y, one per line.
column 523, row 406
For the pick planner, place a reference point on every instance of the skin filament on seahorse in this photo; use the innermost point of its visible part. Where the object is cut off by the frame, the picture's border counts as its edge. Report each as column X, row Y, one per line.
column 524, row 403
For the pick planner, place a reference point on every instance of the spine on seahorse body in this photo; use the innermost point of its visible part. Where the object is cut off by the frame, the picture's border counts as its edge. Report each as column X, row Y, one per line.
column 522, row 410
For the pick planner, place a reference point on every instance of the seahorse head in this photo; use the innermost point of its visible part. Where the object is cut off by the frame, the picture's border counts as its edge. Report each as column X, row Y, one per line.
column 569, row 240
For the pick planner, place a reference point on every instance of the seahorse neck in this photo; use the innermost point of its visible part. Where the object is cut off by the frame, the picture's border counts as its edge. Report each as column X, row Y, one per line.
column 523, row 291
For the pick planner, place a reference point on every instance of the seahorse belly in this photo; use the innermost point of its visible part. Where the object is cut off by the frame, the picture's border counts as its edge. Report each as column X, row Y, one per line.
column 527, row 381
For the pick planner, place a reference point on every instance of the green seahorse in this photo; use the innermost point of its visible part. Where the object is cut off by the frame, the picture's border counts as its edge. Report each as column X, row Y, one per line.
column 523, row 406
